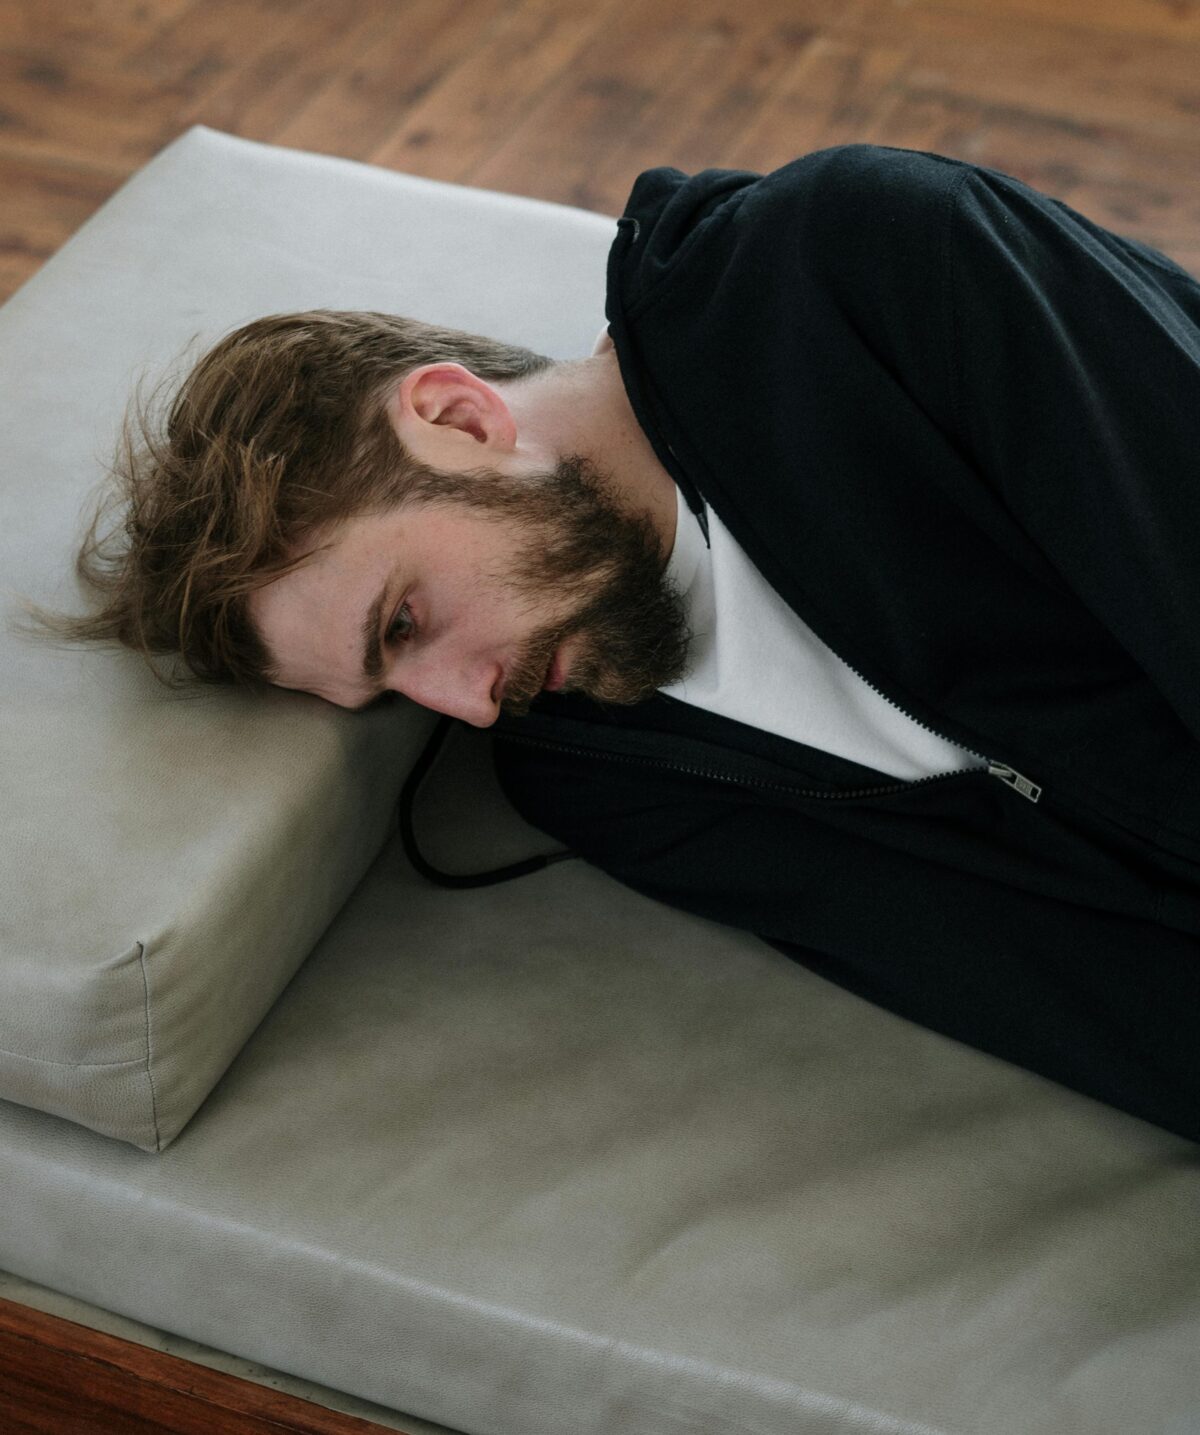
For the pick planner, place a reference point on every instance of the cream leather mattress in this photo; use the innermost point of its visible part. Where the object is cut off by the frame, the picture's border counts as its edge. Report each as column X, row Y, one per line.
column 540, row 1159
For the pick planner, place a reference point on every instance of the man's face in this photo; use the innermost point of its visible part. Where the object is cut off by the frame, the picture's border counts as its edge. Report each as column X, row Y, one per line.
column 479, row 598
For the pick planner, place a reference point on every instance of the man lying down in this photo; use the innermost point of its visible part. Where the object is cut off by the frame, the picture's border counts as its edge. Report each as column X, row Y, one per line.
column 848, row 593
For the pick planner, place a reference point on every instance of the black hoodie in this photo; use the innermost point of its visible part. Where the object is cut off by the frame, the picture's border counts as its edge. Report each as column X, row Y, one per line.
column 957, row 427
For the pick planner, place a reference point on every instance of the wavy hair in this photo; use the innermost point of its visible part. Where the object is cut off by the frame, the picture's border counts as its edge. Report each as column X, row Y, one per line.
column 277, row 432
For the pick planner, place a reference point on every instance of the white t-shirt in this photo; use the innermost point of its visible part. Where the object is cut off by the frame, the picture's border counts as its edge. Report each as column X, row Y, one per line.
column 753, row 660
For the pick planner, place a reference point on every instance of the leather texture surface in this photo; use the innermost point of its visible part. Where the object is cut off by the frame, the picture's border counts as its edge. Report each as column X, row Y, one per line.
column 167, row 862
column 551, row 1159
column 545, row 1158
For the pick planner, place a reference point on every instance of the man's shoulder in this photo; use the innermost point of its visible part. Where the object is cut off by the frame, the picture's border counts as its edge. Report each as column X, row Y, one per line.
column 885, row 166
column 851, row 173
column 838, row 202
column 859, row 195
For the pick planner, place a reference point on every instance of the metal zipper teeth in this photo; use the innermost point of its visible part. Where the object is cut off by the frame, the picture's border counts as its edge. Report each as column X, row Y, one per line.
column 688, row 770
column 892, row 704
column 1019, row 783
column 987, row 760
column 1011, row 778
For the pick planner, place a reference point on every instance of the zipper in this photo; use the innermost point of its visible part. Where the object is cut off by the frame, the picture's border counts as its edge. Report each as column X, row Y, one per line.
column 1012, row 778
column 712, row 774
column 1008, row 775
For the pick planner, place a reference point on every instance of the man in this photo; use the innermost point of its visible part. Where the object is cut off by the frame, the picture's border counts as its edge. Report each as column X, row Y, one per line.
column 846, row 594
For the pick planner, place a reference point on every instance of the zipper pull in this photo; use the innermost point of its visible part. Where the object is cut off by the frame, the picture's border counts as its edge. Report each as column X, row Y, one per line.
column 1012, row 778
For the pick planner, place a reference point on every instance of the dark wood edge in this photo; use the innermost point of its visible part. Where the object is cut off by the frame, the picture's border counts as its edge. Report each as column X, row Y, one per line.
column 59, row 1378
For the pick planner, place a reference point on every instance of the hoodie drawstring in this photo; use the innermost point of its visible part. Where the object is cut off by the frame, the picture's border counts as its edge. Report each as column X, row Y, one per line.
column 408, row 795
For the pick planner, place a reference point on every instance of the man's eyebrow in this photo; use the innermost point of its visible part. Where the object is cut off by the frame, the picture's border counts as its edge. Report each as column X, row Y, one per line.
column 372, row 649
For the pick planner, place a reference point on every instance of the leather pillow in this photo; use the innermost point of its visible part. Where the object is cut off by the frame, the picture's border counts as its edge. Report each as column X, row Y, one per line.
column 168, row 861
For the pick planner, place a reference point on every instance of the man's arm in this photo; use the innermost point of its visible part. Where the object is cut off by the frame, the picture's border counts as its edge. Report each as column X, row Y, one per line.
column 953, row 905
column 1064, row 361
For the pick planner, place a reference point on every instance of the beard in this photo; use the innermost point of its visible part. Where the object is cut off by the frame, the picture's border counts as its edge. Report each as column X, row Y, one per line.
column 582, row 554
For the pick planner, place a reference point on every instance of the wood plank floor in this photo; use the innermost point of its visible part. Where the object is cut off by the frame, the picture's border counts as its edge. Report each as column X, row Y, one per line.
column 1095, row 101
column 60, row 1378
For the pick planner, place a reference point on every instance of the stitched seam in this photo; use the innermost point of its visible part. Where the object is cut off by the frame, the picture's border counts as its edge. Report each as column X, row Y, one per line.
column 711, row 224
column 71, row 1065
column 141, row 946
column 949, row 255
column 749, row 782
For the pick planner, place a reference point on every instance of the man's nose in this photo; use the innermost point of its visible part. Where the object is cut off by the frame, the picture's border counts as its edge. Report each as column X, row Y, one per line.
column 470, row 693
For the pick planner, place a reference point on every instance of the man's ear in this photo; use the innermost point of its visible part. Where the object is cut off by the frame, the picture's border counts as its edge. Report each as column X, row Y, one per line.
column 443, row 411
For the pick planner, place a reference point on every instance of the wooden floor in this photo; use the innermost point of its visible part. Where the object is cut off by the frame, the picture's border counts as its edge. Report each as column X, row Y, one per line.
column 59, row 1378
column 1095, row 101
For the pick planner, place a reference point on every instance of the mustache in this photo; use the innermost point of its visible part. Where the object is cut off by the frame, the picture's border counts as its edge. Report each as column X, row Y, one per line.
column 598, row 568
column 636, row 640
column 527, row 676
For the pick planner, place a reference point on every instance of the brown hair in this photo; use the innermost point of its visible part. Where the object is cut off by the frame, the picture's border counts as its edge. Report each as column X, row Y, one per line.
column 277, row 432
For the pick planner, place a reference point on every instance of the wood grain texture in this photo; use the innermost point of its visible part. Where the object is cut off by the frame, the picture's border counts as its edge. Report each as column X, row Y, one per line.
column 60, row 1378
column 43, row 203
column 1094, row 101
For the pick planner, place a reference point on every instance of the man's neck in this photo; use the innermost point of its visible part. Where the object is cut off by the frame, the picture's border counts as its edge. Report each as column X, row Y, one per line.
column 582, row 407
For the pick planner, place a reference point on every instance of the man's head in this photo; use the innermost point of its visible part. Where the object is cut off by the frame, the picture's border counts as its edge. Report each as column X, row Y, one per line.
column 339, row 502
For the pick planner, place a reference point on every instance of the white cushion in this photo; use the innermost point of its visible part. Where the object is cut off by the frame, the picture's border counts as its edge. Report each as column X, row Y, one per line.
column 167, row 862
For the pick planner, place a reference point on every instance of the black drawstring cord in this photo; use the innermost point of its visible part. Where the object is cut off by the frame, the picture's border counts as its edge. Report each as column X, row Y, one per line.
column 408, row 796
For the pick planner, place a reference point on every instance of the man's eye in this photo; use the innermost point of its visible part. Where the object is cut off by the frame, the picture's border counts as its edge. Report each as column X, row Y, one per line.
column 401, row 627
